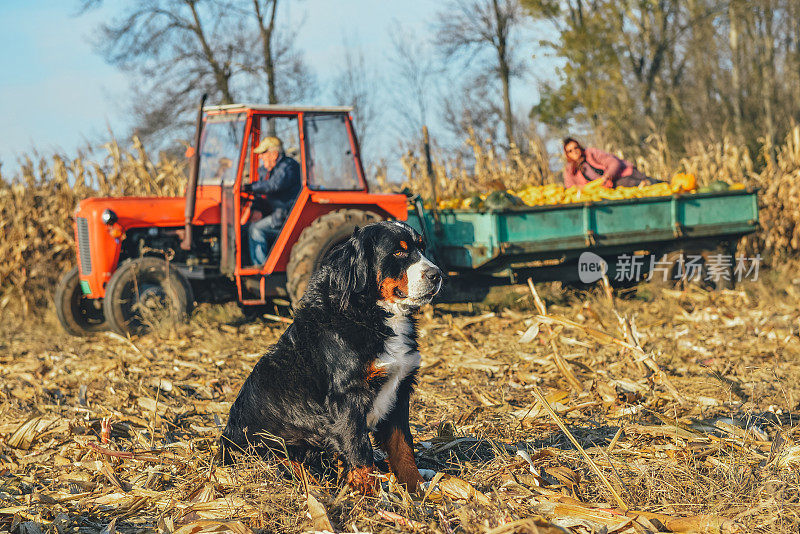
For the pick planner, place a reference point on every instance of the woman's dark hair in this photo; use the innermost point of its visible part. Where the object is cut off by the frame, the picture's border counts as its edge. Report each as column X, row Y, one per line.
column 568, row 140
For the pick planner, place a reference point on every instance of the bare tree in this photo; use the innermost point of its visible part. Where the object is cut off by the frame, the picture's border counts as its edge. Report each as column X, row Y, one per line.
column 177, row 49
column 266, row 28
column 357, row 85
column 734, row 40
column 471, row 110
column 411, row 85
column 293, row 80
column 484, row 30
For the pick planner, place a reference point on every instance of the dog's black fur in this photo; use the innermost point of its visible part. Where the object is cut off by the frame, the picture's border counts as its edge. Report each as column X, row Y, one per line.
column 314, row 387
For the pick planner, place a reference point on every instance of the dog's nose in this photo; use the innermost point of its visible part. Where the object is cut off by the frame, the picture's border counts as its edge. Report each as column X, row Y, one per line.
column 433, row 275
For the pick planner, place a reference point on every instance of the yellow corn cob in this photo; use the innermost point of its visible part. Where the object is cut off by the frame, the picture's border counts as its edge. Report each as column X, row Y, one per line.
column 594, row 191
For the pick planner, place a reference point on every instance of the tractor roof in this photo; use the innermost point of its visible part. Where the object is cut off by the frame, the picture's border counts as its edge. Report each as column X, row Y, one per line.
column 279, row 107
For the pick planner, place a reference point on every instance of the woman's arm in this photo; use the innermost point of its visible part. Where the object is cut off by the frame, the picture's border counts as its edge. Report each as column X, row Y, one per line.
column 612, row 166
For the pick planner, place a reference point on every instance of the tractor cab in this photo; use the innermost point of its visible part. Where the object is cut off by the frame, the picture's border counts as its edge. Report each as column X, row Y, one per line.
column 134, row 247
column 322, row 142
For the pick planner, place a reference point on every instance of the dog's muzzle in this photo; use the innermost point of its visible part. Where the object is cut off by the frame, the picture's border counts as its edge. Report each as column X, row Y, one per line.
column 432, row 277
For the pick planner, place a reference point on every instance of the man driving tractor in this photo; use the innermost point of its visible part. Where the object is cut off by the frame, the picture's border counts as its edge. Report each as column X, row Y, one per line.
column 275, row 191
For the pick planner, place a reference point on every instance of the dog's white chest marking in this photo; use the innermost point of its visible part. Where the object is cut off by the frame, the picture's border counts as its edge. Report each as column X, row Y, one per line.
column 398, row 361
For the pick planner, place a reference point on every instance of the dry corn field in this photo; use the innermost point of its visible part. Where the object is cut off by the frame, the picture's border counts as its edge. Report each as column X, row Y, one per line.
column 36, row 205
column 683, row 407
column 36, row 210
column 540, row 410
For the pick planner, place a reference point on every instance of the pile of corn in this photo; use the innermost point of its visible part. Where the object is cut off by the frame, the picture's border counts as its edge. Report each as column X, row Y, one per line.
column 591, row 192
column 551, row 194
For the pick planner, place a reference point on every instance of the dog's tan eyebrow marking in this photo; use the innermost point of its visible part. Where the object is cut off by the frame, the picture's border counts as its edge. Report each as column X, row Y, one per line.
column 403, row 245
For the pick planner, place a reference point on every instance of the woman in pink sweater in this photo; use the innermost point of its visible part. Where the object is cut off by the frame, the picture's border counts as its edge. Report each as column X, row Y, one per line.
column 588, row 164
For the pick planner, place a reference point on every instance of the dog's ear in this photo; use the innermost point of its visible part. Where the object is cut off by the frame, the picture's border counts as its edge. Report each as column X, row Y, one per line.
column 351, row 268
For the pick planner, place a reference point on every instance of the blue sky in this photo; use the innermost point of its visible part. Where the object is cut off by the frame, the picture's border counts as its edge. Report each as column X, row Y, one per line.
column 56, row 93
column 59, row 95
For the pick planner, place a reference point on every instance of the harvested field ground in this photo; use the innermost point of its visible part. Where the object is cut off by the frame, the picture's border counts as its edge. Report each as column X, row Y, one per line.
column 114, row 434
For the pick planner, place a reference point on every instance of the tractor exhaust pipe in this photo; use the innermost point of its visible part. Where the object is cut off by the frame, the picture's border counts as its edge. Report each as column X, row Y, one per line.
column 191, row 187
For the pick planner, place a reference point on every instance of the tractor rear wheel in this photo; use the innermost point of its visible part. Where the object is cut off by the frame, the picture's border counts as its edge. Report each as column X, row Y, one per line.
column 80, row 316
column 316, row 240
column 145, row 293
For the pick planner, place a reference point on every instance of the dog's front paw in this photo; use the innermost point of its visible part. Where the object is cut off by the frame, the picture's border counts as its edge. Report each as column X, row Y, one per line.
column 363, row 480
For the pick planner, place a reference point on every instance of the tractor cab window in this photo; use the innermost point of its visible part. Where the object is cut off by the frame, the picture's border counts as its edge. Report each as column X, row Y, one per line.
column 220, row 148
column 284, row 127
column 330, row 161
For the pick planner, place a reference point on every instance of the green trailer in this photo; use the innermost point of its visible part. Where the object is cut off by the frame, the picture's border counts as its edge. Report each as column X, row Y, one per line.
column 546, row 242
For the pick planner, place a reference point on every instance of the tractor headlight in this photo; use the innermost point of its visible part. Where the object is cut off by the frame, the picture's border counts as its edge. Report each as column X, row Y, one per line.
column 109, row 217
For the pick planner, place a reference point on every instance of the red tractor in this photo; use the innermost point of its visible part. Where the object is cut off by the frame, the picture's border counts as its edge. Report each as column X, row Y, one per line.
column 138, row 255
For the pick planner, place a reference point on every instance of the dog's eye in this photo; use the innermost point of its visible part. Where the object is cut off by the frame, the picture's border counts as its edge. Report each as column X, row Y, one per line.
column 400, row 253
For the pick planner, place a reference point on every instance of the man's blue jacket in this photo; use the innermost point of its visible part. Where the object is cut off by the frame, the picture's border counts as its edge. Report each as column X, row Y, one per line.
column 281, row 185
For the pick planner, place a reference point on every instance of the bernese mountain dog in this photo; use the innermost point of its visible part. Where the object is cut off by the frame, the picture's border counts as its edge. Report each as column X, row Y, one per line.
column 346, row 366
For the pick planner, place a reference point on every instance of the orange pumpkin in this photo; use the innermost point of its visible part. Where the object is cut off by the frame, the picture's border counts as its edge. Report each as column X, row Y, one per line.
column 683, row 182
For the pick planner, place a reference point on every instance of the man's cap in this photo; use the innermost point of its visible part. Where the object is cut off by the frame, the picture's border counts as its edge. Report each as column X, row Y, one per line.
column 269, row 143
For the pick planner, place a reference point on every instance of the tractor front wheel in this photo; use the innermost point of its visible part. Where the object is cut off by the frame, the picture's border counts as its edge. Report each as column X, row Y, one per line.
column 316, row 241
column 146, row 293
column 80, row 316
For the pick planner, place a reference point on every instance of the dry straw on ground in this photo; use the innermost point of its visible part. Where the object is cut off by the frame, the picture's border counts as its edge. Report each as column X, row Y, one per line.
column 120, row 434
column 115, row 434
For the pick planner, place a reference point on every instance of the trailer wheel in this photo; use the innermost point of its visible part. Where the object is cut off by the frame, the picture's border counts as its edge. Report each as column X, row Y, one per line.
column 679, row 269
column 145, row 293
column 667, row 270
column 316, row 240
column 80, row 316
column 721, row 262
